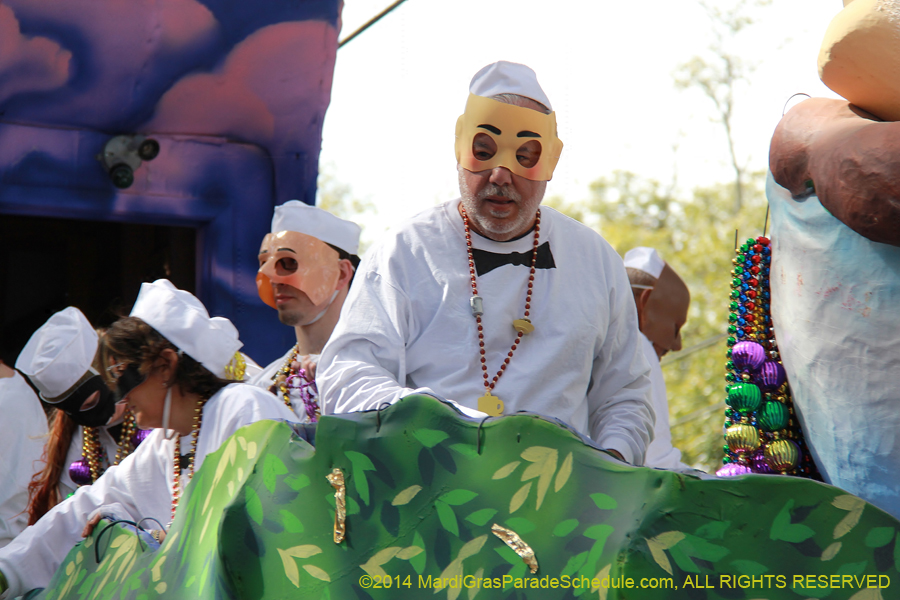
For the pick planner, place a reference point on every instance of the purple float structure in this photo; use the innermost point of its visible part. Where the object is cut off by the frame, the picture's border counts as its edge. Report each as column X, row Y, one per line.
column 171, row 127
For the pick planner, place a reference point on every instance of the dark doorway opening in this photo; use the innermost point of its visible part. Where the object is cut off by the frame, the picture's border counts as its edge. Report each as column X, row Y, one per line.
column 98, row 267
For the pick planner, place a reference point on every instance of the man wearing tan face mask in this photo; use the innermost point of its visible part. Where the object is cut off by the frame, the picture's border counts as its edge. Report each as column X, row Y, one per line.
column 306, row 265
column 662, row 300
column 493, row 301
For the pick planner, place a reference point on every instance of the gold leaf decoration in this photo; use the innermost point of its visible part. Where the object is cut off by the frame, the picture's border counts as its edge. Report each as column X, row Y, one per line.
column 290, row 568
column 506, row 470
column 659, row 544
column 317, row 572
column 454, row 569
column 659, row 555
column 473, row 590
column 518, row 545
column 409, row 552
column 847, row 523
column 563, row 475
column 855, row 507
column 336, row 479
column 544, row 461
column 831, row 551
column 373, row 565
column 669, row 539
column 406, row 495
column 601, row 574
column 519, row 498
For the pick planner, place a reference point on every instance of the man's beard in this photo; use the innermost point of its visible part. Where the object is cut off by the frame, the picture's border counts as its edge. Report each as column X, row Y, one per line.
column 290, row 318
column 501, row 227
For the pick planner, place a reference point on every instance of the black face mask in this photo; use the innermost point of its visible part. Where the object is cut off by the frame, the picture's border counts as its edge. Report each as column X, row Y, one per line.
column 127, row 380
column 99, row 414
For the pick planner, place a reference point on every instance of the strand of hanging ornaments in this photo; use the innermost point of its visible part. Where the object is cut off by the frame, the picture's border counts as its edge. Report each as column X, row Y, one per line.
column 762, row 433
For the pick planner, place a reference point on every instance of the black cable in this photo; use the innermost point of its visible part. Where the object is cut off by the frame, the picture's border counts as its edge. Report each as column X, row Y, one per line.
column 371, row 22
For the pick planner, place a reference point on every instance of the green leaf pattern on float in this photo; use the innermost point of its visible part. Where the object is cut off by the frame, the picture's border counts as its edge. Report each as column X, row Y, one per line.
column 257, row 520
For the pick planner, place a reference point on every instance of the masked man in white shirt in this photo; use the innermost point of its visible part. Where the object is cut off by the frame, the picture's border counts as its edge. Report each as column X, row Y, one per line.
column 306, row 265
column 492, row 301
column 662, row 301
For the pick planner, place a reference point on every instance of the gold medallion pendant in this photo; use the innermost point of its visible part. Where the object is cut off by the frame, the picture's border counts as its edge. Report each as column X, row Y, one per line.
column 491, row 405
column 523, row 326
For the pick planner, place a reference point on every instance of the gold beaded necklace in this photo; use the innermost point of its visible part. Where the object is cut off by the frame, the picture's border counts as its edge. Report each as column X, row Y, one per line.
column 92, row 449
column 280, row 380
column 489, row 403
column 195, row 433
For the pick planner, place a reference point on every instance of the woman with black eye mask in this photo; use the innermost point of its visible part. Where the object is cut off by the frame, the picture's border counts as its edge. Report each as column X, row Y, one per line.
column 88, row 433
column 168, row 360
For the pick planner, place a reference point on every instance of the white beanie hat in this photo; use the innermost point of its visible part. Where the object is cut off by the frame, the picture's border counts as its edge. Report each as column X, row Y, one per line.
column 646, row 260
column 59, row 353
column 503, row 77
column 318, row 223
column 183, row 320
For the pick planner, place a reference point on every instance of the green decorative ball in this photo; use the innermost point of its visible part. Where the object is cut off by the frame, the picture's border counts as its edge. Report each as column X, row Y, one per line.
column 773, row 416
column 744, row 397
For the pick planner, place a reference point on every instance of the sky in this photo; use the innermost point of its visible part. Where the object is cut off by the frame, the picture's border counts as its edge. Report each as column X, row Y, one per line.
column 606, row 66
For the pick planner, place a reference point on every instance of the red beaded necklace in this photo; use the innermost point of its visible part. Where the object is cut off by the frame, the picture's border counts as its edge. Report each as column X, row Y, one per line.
column 489, row 403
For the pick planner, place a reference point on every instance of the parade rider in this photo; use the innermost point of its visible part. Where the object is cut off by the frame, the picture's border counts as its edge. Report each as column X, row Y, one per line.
column 306, row 265
column 493, row 302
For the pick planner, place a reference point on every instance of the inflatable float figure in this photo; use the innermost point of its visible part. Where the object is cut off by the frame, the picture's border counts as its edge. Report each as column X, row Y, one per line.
column 834, row 193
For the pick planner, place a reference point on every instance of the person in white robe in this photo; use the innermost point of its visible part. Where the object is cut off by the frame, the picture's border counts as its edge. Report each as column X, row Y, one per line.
column 23, row 431
column 662, row 301
column 492, row 302
column 171, row 359
column 307, row 263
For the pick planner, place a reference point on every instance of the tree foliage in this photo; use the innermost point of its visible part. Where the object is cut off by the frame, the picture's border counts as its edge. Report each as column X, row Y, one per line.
column 695, row 235
column 718, row 73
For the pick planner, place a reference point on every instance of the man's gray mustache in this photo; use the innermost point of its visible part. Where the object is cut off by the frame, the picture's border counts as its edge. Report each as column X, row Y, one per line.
column 492, row 189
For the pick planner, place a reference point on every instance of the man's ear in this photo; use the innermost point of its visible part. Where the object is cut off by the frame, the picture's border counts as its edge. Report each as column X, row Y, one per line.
column 642, row 300
column 166, row 365
column 346, row 273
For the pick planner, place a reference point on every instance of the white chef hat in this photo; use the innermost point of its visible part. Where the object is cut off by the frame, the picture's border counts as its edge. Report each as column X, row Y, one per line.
column 503, row 77
column 318, row 223
column 59, row 353
column 646, row 260
column 183, row 320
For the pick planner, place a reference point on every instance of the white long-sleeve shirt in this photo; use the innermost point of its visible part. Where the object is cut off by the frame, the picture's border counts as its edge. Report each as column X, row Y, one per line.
column 141, row 486
column 23, row 433
column 660, row 453
column 407, row 324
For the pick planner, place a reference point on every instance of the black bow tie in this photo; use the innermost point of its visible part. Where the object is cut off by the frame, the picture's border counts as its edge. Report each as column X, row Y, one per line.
column 485, row 261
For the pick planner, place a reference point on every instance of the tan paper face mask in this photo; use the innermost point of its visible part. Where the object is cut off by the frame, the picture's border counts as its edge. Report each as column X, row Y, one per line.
column 495, row 134
column 666, row 310
column 300, row 261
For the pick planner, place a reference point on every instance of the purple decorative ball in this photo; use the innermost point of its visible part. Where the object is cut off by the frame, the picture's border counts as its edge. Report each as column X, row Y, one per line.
column 759, row 464
column 80, row 472
column 748, row 356
column 771, row 376
column 733, row 470
column 139, row 436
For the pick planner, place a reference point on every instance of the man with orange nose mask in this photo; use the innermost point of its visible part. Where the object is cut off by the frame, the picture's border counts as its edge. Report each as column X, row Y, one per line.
column 662, row 300
column 306, row 265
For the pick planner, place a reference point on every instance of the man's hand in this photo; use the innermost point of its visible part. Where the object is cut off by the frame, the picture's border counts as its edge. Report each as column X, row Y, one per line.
column 89, row 528
column 308, row 363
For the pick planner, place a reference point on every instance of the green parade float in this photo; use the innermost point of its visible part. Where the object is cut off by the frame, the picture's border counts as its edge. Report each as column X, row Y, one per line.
column 438, row 504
